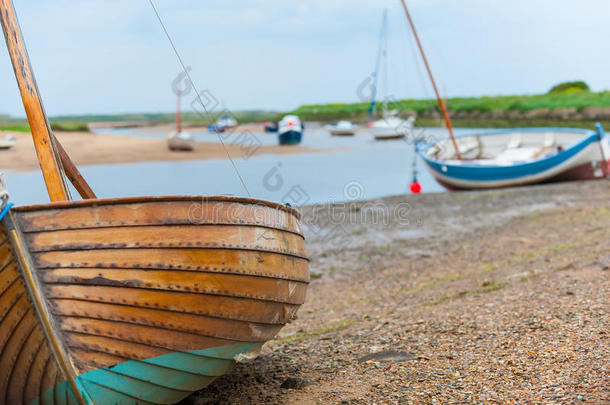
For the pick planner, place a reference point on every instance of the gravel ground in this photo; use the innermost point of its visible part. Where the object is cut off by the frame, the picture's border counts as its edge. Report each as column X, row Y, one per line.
column 487, row 297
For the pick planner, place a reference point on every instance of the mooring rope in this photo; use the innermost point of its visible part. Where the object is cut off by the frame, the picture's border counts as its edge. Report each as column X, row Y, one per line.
column 241, row 179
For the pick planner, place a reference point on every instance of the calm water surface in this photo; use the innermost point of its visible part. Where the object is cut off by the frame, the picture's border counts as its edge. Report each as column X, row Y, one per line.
column 361, row 169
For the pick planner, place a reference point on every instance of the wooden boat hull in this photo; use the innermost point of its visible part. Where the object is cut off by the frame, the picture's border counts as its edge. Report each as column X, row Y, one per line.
column 579, row 160
column 141, row 300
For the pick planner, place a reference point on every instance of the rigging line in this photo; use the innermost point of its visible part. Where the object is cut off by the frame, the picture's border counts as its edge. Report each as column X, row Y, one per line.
column 188, row 75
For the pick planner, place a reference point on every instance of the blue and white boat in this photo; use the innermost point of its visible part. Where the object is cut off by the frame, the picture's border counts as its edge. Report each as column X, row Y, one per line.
column 517, row 157
column 290, row 130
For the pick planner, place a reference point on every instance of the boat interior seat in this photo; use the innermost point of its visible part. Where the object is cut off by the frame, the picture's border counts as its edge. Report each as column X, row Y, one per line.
column 466, row 145
column 516, row 155
column 514, row 142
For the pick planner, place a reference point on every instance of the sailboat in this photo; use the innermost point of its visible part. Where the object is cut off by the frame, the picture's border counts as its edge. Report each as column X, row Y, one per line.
column 180, row 140
column 139, row 300
column 516, row 157
column 390, row 126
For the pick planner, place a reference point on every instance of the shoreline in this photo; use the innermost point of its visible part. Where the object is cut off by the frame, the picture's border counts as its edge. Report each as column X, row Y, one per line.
column 87, row 148
column 470, row 297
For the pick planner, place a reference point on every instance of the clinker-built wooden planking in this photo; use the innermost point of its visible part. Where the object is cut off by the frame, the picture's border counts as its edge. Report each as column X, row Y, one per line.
column 150, row 299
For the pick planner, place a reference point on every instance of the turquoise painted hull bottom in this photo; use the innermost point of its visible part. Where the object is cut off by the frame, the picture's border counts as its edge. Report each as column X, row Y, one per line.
column 165, row 379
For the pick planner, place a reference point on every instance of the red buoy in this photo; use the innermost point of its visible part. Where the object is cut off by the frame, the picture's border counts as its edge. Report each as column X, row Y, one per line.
column 415, row 187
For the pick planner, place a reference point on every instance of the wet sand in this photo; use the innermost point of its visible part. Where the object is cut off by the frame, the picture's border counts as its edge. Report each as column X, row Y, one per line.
column 92, row 149
column 480, row 297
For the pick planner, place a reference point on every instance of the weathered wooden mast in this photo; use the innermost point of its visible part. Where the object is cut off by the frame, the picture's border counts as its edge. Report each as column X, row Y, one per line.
column 51, row 156
column 440, row 101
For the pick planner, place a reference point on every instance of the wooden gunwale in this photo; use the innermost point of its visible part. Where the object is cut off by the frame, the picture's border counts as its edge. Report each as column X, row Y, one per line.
column 131, row 200
column 44, row 316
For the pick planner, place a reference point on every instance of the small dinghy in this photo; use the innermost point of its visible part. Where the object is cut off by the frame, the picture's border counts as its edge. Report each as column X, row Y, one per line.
column 7, row 142
column 180, row 140
column 342, row 128
column 290, row 130
column 518, row 157
column 140, row 300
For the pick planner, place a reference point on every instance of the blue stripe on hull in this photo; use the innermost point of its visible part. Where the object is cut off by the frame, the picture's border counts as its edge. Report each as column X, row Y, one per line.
column 165, row 379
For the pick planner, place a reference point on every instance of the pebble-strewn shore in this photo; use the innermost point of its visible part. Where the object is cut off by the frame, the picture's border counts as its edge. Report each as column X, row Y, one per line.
column 488, row 297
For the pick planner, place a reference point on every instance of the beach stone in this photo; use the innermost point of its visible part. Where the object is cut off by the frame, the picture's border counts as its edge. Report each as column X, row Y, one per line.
column 387, row 355
column 295, row 383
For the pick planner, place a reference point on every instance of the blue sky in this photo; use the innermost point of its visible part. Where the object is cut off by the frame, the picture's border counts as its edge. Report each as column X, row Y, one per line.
column 111, row 56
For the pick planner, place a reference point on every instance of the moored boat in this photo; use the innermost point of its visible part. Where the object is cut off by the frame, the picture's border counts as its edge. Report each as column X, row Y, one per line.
column 391, row 126
column 342, row 128
column 290, row 130
column 180, row 140
column 503, row 158
column 270, row 126
column 140, row 300
column 7, row 142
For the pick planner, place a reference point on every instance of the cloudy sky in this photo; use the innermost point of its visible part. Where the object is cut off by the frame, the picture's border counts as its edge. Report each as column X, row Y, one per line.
column 111, row 56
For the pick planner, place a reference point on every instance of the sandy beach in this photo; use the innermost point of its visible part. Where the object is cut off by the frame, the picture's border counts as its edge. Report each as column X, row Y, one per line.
column 91, row 149
column 481, row 297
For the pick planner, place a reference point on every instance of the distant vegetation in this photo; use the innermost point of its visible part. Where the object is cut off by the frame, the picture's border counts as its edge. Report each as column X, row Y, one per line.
column 161, row 118
column 557, row 105
column 570, row 103
column 570, row 87
column 78, row 123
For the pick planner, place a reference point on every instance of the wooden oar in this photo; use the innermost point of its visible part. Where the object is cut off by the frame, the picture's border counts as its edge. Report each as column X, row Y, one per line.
column 440, row 101
column 51, row 155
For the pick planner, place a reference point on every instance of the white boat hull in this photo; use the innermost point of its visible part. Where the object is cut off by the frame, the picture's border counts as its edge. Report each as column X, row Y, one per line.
column 180, row 141
column 580, row 160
